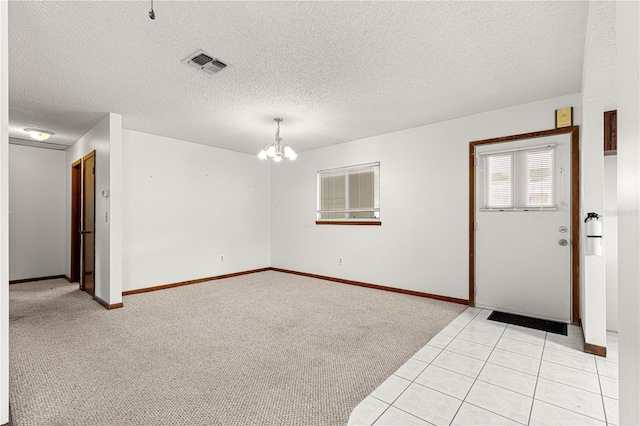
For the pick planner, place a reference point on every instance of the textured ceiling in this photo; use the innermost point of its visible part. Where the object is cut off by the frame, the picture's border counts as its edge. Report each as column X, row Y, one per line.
column 601, row 79
column 335, row 71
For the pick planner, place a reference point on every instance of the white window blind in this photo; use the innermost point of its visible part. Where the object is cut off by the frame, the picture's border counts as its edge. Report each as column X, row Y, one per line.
column 540, row 182
column 498, row 181
column 349, row 193
column 520, row 179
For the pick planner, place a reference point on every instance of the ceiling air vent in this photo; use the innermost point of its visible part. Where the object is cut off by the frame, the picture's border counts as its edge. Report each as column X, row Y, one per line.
column 204, row 61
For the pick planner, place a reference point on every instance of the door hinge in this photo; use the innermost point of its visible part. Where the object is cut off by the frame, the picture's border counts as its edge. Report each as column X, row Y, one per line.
column 94, row 171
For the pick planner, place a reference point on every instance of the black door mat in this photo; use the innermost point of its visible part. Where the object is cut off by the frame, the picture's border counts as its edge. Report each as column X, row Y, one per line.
column 522, row 321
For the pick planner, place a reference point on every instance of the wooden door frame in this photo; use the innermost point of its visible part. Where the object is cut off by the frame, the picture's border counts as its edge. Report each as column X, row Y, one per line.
column 84, row 159
column 575, row 209
column 76, row 221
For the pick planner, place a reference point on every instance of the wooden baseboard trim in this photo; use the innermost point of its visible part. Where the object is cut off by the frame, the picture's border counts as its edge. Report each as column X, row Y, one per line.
column 375, row 286
column 592, row 349
column 68, row 278
column 304, row 274
column 107, row 305
column 199, row 280
column 595, row 349
column 26, row 280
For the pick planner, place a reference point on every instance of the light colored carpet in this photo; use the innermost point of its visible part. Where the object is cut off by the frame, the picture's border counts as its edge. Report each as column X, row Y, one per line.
column 264, row 349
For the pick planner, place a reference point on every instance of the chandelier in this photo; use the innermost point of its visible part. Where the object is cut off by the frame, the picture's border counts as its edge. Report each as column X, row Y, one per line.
column 277, row 149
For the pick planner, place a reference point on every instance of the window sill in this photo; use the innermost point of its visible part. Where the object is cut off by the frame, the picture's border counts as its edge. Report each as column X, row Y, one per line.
column 349, row 222
column 520, row 209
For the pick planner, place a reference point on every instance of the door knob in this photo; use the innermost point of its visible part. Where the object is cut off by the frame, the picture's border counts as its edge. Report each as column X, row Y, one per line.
column 85, row 232
column 563, row 242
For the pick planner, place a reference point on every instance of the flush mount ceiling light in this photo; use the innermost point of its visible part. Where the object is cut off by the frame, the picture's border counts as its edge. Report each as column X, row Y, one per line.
column 39, row 135
column 277, row 149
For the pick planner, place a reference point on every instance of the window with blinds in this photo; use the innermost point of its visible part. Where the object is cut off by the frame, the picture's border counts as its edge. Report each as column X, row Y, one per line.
column 522, row 179
column 349, row 193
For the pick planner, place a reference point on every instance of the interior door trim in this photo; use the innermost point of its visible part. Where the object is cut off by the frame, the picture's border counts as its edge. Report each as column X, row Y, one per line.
column 575, row 209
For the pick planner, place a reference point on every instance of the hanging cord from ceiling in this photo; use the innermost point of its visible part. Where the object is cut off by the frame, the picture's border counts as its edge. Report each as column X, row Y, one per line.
column 152, row 14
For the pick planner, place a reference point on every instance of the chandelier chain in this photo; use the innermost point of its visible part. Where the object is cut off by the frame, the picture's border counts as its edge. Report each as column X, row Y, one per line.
column 278, row 149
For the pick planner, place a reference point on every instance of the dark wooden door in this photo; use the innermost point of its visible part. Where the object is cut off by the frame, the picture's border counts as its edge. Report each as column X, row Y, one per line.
column 89, row 223
column 611, row 132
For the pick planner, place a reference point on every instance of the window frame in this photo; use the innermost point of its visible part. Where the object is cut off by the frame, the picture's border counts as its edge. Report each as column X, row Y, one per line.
column 519, row 179
column 346, row 220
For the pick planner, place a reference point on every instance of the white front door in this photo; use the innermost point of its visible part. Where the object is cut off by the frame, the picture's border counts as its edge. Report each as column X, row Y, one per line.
column 523, row 227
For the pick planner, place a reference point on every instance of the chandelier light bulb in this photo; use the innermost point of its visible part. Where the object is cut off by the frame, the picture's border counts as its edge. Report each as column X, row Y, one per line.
column 290, row 153
column 262, row 155
column 277, row 158
column 271, row 151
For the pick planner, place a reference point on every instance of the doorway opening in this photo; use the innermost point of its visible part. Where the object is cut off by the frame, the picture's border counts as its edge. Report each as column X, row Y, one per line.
column 76, row 224
column 83, row 188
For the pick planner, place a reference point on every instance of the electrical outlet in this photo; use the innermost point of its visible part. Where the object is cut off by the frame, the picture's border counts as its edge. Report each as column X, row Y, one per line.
column 340, row 261
column 222, row 258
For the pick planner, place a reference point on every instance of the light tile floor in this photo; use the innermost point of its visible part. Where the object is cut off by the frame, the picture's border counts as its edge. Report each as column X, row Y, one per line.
column 481, row 372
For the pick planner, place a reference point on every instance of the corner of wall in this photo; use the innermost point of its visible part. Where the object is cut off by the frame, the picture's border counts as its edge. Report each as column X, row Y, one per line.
column 594, row 315
column 628, row 52
column 115, row 203
column 269, row 239
column 4, row 213
column 592, row 268
column 97, row 139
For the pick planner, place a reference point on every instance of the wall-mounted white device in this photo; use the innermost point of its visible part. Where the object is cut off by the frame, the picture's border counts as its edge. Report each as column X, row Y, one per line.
column 593, row 227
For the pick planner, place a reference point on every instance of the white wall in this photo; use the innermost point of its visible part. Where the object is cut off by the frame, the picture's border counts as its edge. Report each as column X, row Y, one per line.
column 114, row 203
column 36, row 219
column 185, row 205
column 423, row 243
column 4, row 213
column 611, row 238
column 97, row 139
column 592, row 268
column 592, row 277
column 628, row 52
